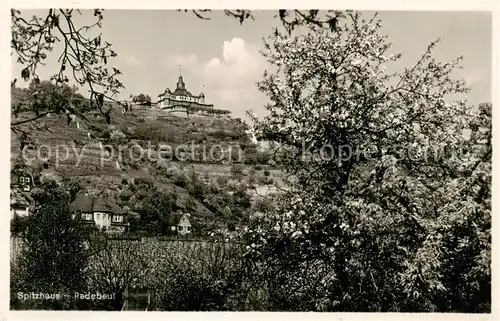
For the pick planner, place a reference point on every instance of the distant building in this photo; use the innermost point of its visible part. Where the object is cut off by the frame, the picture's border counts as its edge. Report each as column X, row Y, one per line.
column 181, row 98
column 179, row 222
column 21, row 179
column 19, row 206
column 101, row 212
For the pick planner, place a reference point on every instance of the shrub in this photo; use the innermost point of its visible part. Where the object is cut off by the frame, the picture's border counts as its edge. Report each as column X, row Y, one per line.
column 265, row 180
column 237, row 170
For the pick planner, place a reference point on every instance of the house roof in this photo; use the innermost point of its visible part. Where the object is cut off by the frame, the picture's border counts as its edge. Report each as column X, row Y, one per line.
column 182, row 92
column 175, row 218
column 82, row 203
column 102, row 205
column 86, row 203
column 18, row 172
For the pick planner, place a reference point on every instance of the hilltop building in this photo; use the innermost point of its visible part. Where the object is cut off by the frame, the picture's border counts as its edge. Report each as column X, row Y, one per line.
column 182, row 101
column 181, row 97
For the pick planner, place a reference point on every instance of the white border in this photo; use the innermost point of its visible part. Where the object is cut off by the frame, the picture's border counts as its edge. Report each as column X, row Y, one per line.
column 407, row 5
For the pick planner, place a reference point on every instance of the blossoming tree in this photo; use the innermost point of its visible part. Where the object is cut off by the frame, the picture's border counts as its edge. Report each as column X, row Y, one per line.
column 391, row 206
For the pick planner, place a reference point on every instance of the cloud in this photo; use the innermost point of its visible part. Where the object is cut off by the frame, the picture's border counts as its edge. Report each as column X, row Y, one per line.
column 231, row 76
column 240, row 62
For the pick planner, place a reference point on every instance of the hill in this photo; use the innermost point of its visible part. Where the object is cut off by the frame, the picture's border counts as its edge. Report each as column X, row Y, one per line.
column 208, row 165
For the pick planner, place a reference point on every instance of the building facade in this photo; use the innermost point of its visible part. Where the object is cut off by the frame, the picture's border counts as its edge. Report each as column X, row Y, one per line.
column 179, row 222
column 181, row 98
column 19, row 208
column 100, row 212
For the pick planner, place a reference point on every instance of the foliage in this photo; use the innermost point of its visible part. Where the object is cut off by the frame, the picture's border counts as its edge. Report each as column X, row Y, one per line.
column 141, row 98
column 199, row 277
column 53, row 256
column 115, row 266
column 18, row 224
column 290, row 19
column 237, row 170
column 389, row 225
column 84, row 56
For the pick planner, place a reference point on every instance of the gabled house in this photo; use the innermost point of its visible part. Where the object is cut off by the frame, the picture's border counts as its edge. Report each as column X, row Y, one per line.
column 99, row 211
column 179, row 222
column 21, row 179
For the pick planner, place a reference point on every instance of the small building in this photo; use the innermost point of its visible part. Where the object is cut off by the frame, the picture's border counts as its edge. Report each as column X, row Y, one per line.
column 21, row 179
column 20, row 203
column 19, row 207
column 101, row 212
column 179, row 222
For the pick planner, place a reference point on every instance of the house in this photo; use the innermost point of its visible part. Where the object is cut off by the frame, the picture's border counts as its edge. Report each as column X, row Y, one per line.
column 19, row 207
column 99, row 211
column 179, row 222
column 21, row 179
column 20, row 203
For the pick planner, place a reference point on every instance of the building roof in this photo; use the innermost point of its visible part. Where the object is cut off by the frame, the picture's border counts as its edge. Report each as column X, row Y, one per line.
column 18, row 198
column 102, row 205
column 182, row 92
column 82, row 204
column 88, row 204
column 175, row 218
column 17, row 172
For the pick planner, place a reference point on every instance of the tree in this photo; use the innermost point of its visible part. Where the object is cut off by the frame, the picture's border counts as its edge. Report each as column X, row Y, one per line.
column 116, row 266
column 84, row 56
column 53, row 255
column 141, row 99
column 18, row 224
column 379, row 208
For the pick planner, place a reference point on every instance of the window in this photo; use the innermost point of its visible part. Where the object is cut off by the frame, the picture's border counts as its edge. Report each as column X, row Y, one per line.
column 98, row 216
column 22, row 179
column 27, row 179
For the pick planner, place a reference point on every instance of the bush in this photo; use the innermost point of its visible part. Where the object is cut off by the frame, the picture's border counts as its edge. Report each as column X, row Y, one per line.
column 237, row 170
column 265, row 180
column 18, row 224
column 106, row 134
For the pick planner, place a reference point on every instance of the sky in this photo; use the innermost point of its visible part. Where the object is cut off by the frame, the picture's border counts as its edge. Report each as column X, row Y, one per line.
column 221, row 58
